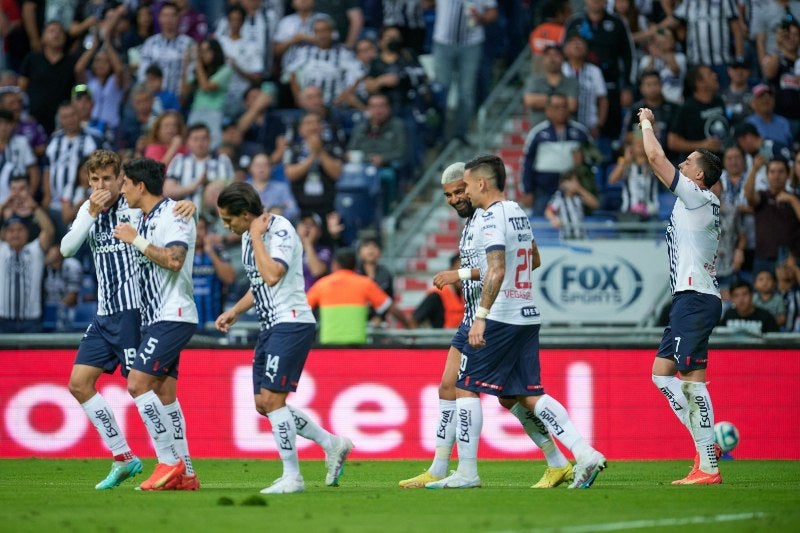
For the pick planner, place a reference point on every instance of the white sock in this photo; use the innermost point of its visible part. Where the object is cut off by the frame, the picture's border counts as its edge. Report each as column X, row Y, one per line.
column 701, row 419
column 308, row 429
column 176, row 418
column 285, row 433
column 104, row 421
column 157, row 423
column 670, row 387
column 445, row 438
column 555, row 417
column 538, row 433
column 468, row 431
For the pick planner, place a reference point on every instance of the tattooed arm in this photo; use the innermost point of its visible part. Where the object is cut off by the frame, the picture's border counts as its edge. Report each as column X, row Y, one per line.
column 170, row 257
column 496, row 271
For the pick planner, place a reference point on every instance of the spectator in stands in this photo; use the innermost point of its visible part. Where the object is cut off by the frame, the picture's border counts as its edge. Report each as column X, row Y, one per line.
column 752, row 144
column 788, row 276
column 11, row 99
column 166, row 49
column 48, row 76
column 244, row 55
column 770, row 24
column 407, row 17
column 612, row 49
column 276, row 196
column 458, row 37
column 565, row 208
column 592, row 99
column 21, row 204
column 142, row 26
column 257, row 30
column 551, row 148
column 733, row 206
column 166, row 137
column 551, row 80
column 777, row 214
column 769, row 124
column 700, row 121
column 292, row 32
column 794, row 179
column 323, row 63
column 551, row 30
column 136, row 123
column 16, row 156
column 163, row 99
column 67, row 149
column 22, row 274
column 188, row 174
column 738, row 95
column 344, row 299
column 261, row 130
column 650, row 88
column 317, row 253
column 780, row 71
column 732, row 241
column 348, row 19
column 191, row 22
column 442, row 308
column 207, row 87
column 369, row 253
column 639, row 186
column 767, row 297
column 62, row 284
column 670, row 64
column 744, row 316
column 640, row 28
column 313, row 166
column 83, row 102
column 212, row 273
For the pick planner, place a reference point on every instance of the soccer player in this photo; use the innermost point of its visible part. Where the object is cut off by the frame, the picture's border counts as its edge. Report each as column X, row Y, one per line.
column 272, row 255
column 692, row 238
column 501, row 356
column 113, row 336
column 472, row 259
column 169, row 319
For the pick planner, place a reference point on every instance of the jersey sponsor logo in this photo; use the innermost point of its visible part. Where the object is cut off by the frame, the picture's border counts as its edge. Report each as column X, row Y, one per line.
column 110, row 248
column 105, row 420
column 519, row 223
column 594, row 278
column 529, row 311
column 517, row 294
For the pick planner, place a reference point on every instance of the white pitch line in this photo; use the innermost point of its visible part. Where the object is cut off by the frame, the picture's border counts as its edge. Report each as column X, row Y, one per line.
column 643, row 524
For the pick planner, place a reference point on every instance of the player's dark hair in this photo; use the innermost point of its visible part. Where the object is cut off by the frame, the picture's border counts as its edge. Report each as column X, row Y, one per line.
column 711, row 166
column 101, row 159
column 147, row 171
column 490, row 167
column 345, row 258
column 741, row 283
column 238, row 198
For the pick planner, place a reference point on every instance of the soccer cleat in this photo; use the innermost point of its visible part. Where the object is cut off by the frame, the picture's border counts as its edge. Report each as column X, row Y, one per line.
column 585, row 473
column 285, row 485
column 455, row 481
column 554, row 476
column 334, row 461
column 696, row 465
column 184, row 482
column 163, row 474
column 698, row 477
column 419, row 482
column 120, row 471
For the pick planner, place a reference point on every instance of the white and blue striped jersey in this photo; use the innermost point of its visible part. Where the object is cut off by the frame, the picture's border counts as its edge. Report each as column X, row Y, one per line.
column 471, row 257
column 167, row 295
column 15, row 159
column 186, row 169
column 504, row 226
column 454, row 24
column 115, row 262
column 64, row 155
column 21, row 278
column 286, row 300
column 692, row 238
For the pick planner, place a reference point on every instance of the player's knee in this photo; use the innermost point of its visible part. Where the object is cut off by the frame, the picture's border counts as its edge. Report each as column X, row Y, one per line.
column 81, row 390
column 508, row 403
column 447, row 391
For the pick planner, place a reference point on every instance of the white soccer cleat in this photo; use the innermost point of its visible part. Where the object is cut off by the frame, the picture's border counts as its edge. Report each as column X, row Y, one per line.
column 286, row 485
column 455, row 481
column 585, row 473
column 334, row 460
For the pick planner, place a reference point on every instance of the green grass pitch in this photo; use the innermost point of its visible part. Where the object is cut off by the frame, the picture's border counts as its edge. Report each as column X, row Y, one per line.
column 58, row 495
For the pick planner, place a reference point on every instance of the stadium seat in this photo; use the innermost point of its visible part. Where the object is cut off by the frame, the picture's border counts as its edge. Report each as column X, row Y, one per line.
column 84, row 314
column 543, row 232
column 601, row 226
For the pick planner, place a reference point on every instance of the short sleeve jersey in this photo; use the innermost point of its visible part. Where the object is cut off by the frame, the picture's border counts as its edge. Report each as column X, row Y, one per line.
column 692, row 238
column 471, row 257
column 504, row 226
column 166, row 295
column 286, row 300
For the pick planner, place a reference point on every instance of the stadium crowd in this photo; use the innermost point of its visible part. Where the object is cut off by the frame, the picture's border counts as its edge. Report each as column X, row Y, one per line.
column 325, row 108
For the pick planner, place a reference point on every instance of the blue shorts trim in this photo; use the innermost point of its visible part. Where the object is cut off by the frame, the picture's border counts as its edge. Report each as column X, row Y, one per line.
column 111, row 341
column 691, row 319
column 280, row 355
column 508, row 365
column 159, row 352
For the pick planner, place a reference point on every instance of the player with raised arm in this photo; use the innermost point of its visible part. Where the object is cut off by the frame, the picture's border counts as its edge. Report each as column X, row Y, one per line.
column 113, row 336
column 558, row 468
column 692, row 238
column 272, row 255
column 501, row 356
column 169, row 319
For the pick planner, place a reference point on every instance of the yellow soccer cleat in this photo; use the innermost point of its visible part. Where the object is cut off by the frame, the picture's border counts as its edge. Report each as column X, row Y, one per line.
column 419, row 481
column 554, row 476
